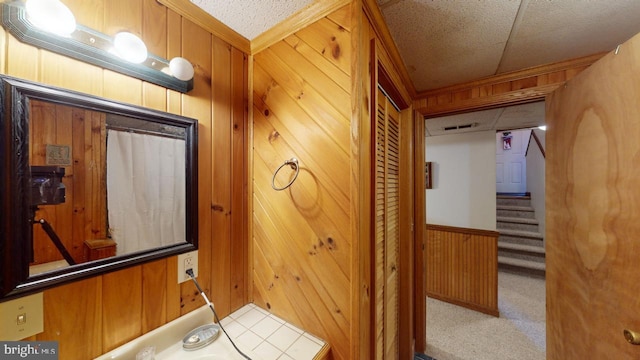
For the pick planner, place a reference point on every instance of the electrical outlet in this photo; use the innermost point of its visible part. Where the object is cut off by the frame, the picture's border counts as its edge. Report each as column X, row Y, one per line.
column 187, row 261
column 21, row 318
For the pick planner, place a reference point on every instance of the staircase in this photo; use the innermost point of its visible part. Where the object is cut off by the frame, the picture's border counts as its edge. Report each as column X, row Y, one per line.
column 520, row 245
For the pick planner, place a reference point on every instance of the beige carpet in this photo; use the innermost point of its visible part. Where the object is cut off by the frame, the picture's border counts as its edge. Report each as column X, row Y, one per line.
column 456, row 333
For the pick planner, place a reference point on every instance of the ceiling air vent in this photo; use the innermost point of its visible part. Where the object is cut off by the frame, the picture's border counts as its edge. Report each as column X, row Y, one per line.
column 460, row 127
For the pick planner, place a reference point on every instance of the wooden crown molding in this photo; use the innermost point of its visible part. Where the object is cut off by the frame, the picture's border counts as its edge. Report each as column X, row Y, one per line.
column 517, row 87
column 295, row 22
column 200, row 17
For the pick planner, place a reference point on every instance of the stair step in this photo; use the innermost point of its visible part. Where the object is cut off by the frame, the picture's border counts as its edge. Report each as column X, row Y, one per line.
column 514, row 208
column 521, row 263
column 521, row 247
column 513, row 200
column 518, row 220
column 520, row 233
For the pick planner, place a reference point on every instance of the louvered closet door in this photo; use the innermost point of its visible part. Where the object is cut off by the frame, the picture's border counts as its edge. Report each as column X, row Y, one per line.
column 387, row 147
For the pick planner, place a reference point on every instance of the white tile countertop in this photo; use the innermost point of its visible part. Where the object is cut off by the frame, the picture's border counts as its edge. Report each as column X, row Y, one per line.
column 270, row 337
column 258, row 333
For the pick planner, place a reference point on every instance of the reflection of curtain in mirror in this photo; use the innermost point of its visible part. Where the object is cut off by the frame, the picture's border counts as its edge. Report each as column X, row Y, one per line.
column 145, row 190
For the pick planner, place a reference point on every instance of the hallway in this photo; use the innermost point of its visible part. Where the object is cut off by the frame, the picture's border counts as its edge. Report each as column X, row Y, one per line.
column 456, row 333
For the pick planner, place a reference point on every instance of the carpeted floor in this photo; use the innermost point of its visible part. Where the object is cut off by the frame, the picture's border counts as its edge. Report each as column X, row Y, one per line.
column 456, row 333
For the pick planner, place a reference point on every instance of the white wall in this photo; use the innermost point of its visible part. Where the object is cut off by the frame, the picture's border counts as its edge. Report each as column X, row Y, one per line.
column 464, row 180
column 535, row 178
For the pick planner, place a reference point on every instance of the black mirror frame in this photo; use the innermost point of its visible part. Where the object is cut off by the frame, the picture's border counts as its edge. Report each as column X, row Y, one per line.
column 15, row 223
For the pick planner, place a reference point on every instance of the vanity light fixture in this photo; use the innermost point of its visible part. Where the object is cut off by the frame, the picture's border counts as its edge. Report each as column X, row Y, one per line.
column 51, row 16
column 129, row 47
column 50, row 25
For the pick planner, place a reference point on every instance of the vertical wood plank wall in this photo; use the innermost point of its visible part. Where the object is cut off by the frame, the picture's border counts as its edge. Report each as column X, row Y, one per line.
column 462, row 267
column 91, row 316
column 82, row 216
column 302, row 244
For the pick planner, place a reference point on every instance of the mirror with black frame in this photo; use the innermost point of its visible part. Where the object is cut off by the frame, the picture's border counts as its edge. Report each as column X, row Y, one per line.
column 90, row 185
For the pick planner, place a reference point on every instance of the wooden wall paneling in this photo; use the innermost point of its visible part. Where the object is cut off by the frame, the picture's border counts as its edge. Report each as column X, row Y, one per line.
column 328, row 242
column 73, row 317
column 121, row 307
column 317, row 293
column 406, row 254
column 197, row 47
column 122, row 88
column 329, row 39
column 420, row 220
column 63, row 125
column 306, row 136
column 80, row 173
column 199, row 17
column 64, row 212
column 94, row 188
column 327, row 247
column 360, row 187
column 125, row 311
column 69, row 73
column 462, row 267
column 174, row 105
column 326, row 214
column 154, row 27
column 343, row 17
column 85, row 13
column 302, row 235
column 523, row 86
column 320, row 200
column 307, row 15
column 221, row 184
column 42, row 132
column 309, row 64
column 123, row 15
column 239, row 236
column 154, row 295
column 22, row 59
column 298, row 85
column 317, row 59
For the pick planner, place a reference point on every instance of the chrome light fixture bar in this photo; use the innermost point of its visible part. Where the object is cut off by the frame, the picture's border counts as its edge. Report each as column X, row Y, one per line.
column 93, row 47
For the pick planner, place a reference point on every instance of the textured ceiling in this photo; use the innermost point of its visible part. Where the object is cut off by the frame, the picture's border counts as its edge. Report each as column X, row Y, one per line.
column 462, row 40
column 447, row 42
column 251, row 18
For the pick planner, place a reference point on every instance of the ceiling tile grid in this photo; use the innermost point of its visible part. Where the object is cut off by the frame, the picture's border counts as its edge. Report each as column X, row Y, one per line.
column 458, row 39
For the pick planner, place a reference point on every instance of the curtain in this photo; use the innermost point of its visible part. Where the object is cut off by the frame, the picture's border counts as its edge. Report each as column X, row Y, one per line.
column 145, row 190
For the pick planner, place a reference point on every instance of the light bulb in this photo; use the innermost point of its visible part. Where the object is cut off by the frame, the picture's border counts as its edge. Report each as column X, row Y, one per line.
column 51, row 16
column 129, row 47
column 181, row 69
column 543, row 127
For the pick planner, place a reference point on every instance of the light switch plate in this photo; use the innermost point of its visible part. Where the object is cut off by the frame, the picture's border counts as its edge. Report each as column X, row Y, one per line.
column 21, row 318
column 187, row 261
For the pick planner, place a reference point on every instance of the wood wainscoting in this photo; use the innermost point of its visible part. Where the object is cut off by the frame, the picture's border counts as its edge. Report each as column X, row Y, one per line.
column 462, row 267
